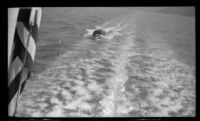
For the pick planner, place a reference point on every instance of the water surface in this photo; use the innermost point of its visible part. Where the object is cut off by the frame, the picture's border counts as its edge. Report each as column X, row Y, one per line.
column 144, row 67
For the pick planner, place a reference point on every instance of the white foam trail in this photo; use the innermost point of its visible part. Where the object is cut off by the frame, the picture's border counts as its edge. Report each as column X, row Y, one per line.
column 120, row 76
column 65, row 76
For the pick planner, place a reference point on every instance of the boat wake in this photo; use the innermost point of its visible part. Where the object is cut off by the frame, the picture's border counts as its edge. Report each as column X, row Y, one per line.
column 115, row 77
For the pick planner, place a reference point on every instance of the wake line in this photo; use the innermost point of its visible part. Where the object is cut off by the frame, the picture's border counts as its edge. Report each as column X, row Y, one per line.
column 118, row 79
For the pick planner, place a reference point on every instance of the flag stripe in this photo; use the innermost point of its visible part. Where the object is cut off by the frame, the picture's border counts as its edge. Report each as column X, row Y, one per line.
column 15, row 69
column 24, row 16
column 20, row 50
column 12, row 21
column 26, row 21
column 14, row 86
column 24, row 76
column 22, row 86
column 12, row 105
column 31, row 48
column 34, row 31
column 23, row 35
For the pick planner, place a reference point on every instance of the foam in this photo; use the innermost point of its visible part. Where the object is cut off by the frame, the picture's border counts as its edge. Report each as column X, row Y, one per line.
column 65, row 75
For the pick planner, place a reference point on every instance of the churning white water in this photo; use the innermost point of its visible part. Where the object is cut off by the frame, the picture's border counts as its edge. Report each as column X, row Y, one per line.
column 123, row 74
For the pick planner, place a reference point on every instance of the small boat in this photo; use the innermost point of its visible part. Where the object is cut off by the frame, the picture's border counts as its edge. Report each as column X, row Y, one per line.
column 98, row 34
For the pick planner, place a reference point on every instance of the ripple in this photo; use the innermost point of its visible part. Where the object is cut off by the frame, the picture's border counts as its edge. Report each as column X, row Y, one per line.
column 117, row 78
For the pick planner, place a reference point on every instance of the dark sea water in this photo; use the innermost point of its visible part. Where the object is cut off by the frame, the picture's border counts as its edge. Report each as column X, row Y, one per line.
column 143, row 67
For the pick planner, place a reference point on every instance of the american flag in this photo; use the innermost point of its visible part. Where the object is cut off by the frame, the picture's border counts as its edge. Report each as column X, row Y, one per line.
column 22, row 51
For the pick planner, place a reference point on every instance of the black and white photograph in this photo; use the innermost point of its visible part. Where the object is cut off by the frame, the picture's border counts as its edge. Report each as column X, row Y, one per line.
column 102, row 61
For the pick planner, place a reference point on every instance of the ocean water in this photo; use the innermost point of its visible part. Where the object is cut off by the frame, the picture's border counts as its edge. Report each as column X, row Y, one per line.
column 143, row 67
